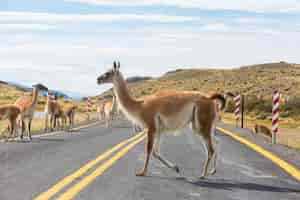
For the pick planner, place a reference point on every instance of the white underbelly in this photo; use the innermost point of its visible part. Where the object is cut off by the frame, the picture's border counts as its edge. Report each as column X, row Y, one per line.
column 173, row 124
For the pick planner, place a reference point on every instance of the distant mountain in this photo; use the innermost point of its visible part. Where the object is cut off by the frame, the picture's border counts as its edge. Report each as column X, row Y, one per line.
column 3, row 82
column 64, row 94
column 19, row 86
column 73, row 95
column 134, row 79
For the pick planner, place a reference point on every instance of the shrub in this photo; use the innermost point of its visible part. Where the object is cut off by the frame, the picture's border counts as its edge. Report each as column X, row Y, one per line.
column 230, row 106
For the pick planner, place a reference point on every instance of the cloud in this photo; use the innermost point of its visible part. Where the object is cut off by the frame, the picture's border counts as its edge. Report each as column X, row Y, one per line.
column 217, row 27
column 41, row 27
column 244, row 5
column 55, row 17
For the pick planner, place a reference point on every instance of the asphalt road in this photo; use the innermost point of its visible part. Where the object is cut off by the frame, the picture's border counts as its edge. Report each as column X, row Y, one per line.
column 29, row 169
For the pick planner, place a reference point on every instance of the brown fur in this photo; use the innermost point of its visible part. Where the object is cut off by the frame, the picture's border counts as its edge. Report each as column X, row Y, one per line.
column 70, row 115
column 27, row 107
column 10, row 112
column 52, row 108
column 168, row 111
column 60, row 117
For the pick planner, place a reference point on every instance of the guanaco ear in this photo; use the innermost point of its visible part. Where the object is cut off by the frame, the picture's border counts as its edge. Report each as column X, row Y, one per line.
column 115, row 66
column 118, row 65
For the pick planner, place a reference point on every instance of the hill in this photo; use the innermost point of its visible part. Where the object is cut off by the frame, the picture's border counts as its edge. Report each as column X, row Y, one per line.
column 256, row 81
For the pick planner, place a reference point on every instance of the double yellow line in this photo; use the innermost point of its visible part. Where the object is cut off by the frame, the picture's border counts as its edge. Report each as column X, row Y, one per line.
column 75, row 189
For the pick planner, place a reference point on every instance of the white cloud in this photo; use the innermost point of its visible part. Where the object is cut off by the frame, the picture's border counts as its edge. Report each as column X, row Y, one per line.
column 217, row 27
column 55, row 17
column 26, row 27
column 245, row 5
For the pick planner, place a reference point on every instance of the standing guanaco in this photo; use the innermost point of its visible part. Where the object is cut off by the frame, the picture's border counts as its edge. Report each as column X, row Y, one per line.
column 27, row 105
column 10, row 112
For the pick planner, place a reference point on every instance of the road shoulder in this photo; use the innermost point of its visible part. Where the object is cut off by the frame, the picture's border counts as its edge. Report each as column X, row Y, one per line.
column 290, row 155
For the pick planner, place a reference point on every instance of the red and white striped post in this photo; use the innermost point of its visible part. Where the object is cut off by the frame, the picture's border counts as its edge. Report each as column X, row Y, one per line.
column 237, row 101
column 89, row 106
column 275, row 117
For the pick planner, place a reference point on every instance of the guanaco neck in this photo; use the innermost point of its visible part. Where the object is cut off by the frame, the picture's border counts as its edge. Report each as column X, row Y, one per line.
column 114, row 104
column 35, row 95
column 122, row 95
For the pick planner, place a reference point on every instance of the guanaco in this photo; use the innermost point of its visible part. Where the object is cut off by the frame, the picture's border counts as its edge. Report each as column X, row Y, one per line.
column 10, row 112
column 27, row 105
column 263, row 130
column 168, row 111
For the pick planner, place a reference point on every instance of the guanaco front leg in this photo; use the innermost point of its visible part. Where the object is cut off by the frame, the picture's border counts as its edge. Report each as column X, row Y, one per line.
column 29, row 128
column 149, row 147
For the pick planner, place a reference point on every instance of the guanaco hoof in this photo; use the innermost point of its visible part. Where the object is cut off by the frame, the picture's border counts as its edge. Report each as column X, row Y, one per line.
column 212, row 172
column 176, row 168
column 142, row 173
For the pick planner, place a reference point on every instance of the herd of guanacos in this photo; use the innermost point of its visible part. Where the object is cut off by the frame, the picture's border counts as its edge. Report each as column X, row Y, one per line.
column 21, row 113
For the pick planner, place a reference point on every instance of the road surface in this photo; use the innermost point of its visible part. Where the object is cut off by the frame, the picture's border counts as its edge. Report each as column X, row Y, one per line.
column 47, row 168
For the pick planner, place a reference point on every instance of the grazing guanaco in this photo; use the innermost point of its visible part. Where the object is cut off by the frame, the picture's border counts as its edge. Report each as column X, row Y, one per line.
column 27, row 105
column 258, row 128
column 48, row 108
column 51, row 108
column 60, row 118
column 10, row 112
column 168, row 111
column 70, row 115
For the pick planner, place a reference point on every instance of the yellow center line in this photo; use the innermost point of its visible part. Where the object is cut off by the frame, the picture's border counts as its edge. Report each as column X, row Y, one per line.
column 67, row 180
column 290, row 169
column 73, row 191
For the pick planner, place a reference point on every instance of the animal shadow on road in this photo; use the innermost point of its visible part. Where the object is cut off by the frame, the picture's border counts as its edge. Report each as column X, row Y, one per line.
column 49, row 140
column 13, row 140
column 225, row 184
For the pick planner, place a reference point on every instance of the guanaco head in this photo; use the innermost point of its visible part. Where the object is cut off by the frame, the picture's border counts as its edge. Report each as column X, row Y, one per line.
column 110, row 75
column 40, row 87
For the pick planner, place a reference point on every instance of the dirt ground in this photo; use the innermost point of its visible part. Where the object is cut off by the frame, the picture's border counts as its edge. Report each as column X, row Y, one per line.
column 289, row 137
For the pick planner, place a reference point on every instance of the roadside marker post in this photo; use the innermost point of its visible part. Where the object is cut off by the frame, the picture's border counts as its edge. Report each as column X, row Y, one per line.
column 275, row 116
column 89, row 107
column 242, row 110
column 237, row 101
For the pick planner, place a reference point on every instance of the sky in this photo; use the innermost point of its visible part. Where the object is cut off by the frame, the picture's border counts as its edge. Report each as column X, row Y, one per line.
column 66, row 44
